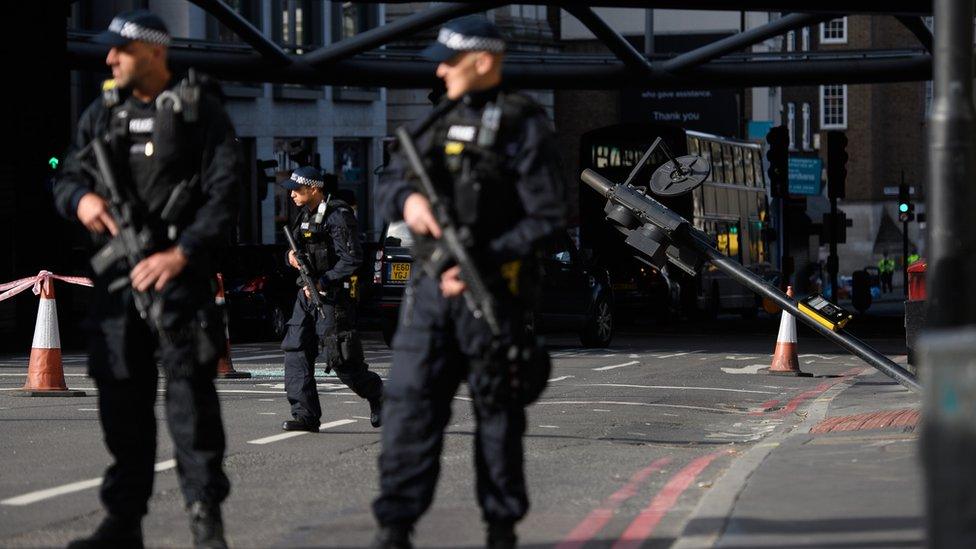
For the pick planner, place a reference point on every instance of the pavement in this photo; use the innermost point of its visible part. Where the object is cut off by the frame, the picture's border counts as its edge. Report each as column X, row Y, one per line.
column 664, row 439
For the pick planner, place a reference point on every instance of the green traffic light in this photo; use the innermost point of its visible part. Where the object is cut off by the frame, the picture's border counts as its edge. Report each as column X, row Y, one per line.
column 53, row 162
column 903, row 208
column 734, row 230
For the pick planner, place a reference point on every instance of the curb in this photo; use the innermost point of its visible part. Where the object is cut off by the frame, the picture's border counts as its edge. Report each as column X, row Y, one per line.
column 715, row 507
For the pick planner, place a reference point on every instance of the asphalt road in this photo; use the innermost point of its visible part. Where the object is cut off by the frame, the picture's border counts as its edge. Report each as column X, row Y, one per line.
column 620, row 448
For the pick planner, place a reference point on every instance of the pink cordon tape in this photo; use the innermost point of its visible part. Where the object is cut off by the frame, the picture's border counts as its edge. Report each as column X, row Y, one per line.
column 39, row 283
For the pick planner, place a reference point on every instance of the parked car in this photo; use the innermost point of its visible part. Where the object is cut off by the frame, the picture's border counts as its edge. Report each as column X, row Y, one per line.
column 576, row 296
column 260, row 290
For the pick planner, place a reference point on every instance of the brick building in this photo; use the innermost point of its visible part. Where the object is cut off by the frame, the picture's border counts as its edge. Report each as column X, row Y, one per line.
column 885, row 126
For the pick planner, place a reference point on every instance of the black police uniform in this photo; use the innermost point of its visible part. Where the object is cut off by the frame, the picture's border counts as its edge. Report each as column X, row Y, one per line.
column 330, row 239
column 151, row 153
column 495, row 160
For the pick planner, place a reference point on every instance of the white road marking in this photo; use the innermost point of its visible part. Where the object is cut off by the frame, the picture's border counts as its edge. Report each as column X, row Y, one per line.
column 611, row 367
column 549, row 426
column 740, row 357
column 822, row 357
column 24, row 374
column 267, row 413
column 87, row 409
column 600, row 410
column 561, row 378
column 360, row 417
column 235, row 358
column 267, row 400
column 647, row 404
column 292, row 434
column 41, row 495
column 682, row 388
column 673, row 355
column 752, row 369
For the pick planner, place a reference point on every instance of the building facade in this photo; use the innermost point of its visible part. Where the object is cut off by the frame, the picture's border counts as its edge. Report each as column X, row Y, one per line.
column 885, row 126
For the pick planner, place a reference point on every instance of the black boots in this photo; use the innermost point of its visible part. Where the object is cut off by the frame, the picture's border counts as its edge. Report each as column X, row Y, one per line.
column 113, row 532
column 392, row 537
column 376, row 411
column 501, row 535
column 300, row 425
column 206, row 526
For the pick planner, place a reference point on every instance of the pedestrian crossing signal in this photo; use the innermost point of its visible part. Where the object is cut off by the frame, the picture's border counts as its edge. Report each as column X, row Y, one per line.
column 53, row 162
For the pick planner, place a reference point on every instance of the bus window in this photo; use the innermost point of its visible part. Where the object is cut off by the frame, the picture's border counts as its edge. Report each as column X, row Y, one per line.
column 726, row 237
column 740, row 178
column 693, row 145
column 750, row 180
column 760, row 176
column 727, row 164
column 718, row 170
column 706, row 153
column 710, row 200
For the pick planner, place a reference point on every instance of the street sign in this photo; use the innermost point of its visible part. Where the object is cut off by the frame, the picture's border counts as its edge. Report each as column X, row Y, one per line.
column 805, row 175
column 893, row 191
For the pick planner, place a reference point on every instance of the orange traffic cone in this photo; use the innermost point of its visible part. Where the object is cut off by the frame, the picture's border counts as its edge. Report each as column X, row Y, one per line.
column 45, row 374
column 785, row 361
column 225, row 368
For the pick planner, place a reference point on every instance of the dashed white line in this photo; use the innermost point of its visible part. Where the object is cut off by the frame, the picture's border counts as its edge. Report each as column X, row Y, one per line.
column 752, row 369
column 647, row 404
column 41, row 495
column 560, row 378
column 292, row 434
column 614, row 366
column 674, row 355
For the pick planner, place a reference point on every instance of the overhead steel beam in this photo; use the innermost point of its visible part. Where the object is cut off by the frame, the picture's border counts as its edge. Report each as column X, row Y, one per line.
column 612, row 39
column 400, row 28
column 741, row 40
column 917, row 26
column 245, row 30
column 838, row 7
column 398, row 72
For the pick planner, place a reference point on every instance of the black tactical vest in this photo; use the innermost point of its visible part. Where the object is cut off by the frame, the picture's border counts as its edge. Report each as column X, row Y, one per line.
column 314, row 235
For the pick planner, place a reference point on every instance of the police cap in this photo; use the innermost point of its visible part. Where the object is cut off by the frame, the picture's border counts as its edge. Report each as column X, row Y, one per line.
column 305, row 176
column 471, row 33
column 141, row 25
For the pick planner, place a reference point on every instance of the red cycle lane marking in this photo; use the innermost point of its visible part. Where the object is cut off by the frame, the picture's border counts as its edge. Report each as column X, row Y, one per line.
column 590, row 526
column 815, row 392
column 643, row 526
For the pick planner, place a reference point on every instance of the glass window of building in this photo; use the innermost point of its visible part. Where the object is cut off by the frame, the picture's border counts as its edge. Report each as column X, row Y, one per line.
column 791, row 124
column 833, row 107
column 807, row 133
column 805, row 39
column 297, row 24
column 351, row 18
column 248, row 9
column 834, row 31
column 791, row 41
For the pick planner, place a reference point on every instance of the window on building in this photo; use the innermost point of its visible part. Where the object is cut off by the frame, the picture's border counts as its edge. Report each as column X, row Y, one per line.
column 805, row 39
column 833, row 107
column 791, row 41
column 834, row 31
column 350, row 19
column 249, row 9
column 351, row 167
column 285, row 211
column 297, row 24
column 807, row 130
column 791, row 123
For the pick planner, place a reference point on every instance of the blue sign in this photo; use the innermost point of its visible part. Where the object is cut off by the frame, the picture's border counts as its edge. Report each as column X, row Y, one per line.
column 758, row 129
column 805, row 175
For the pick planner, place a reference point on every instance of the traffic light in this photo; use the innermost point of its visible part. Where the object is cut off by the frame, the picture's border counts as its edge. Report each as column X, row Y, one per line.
column 778, row 156
column 53, row 162
column 906, row 209
column 836, row 164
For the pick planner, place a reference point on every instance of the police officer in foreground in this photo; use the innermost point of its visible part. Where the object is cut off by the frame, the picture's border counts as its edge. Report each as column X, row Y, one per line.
column 176, row 163
column 328, row 237
column 494, row 158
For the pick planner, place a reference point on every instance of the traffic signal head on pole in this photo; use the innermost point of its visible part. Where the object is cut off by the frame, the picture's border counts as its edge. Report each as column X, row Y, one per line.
column 836, row 164
column 778, row 156
column 906, row 209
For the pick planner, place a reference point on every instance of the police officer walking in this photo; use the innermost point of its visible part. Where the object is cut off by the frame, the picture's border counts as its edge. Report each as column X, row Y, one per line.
column 492, row 153
column 886, row 270
column 175, row 160
column 328, row 238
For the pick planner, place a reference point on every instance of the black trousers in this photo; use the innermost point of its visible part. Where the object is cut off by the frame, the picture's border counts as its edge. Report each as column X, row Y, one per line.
column 306, row 328
column 433, row 349
column 123, row 364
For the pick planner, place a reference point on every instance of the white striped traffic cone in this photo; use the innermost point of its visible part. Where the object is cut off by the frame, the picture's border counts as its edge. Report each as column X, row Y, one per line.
column 785, row 361
column 45, row 374
column 225, row 368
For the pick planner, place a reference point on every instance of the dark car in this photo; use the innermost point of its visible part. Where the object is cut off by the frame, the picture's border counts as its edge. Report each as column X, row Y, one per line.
column 576, row 295
column 260, row 291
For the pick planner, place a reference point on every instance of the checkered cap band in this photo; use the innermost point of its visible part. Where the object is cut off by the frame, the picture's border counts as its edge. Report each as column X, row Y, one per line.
column 460, row 42
column 135, row 31
column 307, row 181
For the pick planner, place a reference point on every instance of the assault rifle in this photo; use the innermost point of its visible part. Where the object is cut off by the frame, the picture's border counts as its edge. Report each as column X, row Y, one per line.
column 454, row 243
column 129, row 243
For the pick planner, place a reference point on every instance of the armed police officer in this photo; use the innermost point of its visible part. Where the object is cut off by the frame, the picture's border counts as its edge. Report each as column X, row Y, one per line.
column 492, row 155
column 152, row 173
column 327, row 238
